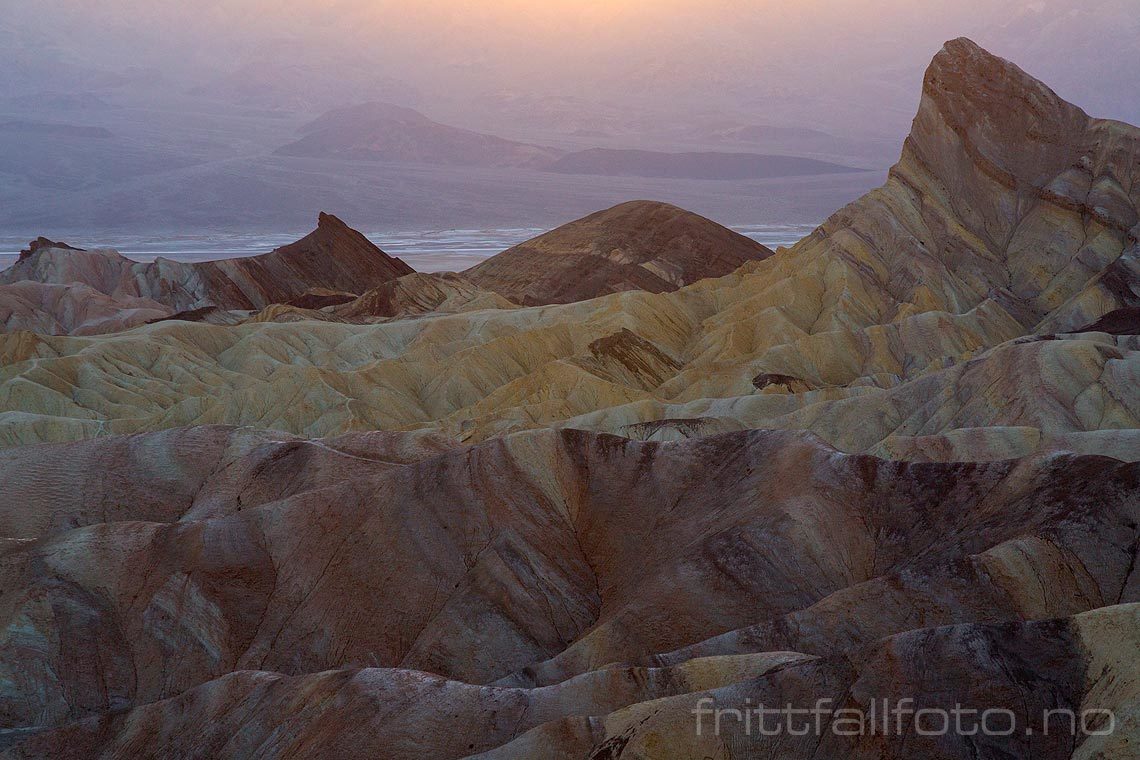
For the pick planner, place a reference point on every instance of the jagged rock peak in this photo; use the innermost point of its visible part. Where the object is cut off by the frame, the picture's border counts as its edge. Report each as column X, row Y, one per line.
column 1007, row 120
column 327, row 221
column 335, row 239
column 964, row 69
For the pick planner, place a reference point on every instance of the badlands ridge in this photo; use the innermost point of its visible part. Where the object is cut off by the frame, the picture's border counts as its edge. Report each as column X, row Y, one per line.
column 941, row 313
column 315, row 504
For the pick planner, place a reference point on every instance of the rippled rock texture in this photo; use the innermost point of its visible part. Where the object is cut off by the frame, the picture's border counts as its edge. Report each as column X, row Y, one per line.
column 550, row 575
column 571, row 502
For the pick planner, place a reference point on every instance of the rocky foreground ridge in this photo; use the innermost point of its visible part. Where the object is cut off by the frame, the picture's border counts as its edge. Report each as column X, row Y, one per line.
column 540, row 579
column 447, row 516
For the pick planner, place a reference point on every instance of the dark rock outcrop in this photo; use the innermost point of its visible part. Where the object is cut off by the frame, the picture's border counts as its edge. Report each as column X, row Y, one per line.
column 1118, row 322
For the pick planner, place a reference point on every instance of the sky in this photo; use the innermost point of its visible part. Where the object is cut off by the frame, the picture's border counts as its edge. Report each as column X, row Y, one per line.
column 829, row 52
column 198, row 96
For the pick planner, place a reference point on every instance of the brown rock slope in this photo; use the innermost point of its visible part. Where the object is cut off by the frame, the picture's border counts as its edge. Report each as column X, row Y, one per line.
column 1039, row 679
column 199, row 472
column 1004, row 192
column 753, row 564
column 407, row 296
column 1117, row 322
column 420, row 293
column 333, row 256
column 1080, row 664
column 51, row 309
column 640, row 245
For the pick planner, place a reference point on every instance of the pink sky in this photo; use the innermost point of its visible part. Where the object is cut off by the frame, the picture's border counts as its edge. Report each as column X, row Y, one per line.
column 839, row 56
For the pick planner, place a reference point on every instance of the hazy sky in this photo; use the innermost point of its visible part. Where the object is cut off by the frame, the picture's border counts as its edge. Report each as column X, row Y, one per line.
column 830, row 50
column 196, row 97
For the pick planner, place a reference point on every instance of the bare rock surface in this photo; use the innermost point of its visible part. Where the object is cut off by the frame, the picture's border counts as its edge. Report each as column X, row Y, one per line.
column 635, row 246
column 1078, row 664
column 1124, row 321
column 551, row 506
column 195, row 472
column 519, row 562
column 54, row 309
column 333, row 256
column 420, row 293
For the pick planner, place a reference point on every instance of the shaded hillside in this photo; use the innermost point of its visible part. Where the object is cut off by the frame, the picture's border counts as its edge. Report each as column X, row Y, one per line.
column 54, row 309
column 640, row 245
column 333, row 256
column 611, row 572
column 1118, row 322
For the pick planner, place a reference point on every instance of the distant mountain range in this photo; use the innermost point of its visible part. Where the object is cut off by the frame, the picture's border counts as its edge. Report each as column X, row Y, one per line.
column 385, row 132
column 335, row 274
column 390, row 133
